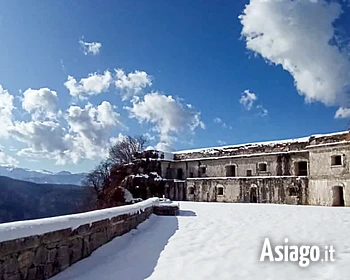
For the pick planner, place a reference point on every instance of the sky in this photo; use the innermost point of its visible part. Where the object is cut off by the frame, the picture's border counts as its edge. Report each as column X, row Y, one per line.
column 78, row 76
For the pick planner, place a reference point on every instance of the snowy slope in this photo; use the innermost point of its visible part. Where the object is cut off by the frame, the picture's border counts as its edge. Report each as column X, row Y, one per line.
column 41, row 176
column 221, row 241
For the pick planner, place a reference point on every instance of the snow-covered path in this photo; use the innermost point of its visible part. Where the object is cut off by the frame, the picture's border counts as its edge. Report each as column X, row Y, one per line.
column 221, row 241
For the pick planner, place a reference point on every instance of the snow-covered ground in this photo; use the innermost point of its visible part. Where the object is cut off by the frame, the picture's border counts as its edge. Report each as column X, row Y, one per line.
column 221, row 241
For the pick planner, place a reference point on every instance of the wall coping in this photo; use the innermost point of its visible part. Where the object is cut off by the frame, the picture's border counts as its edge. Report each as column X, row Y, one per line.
column 20, row 229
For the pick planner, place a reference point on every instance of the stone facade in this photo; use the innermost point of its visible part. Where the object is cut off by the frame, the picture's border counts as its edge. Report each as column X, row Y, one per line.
column 312, row 170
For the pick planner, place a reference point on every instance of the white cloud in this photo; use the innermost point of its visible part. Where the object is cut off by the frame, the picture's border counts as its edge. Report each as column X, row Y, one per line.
column 219, row 121
column 92, row 85
column 90, row 48
column 6, row 108
column 297, row 35
column 132, row 83
column 41, row 103
column 342, row 113
column 6, row 159
column 170, row 116
column 221, row 142
column 89, row 128
column 262, row 111
column 86, row 135
column 247, row 99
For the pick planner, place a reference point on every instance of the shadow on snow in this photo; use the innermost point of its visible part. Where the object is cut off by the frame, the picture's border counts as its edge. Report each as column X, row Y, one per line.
column 132, row 256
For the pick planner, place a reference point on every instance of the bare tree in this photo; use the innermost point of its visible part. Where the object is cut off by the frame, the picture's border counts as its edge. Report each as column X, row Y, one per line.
column 124, row 151
column 99, row 177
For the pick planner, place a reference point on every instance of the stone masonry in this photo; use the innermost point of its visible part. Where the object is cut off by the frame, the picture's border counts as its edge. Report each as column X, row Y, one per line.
column 42, row 256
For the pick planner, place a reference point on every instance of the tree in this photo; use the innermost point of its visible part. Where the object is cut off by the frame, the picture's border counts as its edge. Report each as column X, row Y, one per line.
column 99, row 177
column 124, row 151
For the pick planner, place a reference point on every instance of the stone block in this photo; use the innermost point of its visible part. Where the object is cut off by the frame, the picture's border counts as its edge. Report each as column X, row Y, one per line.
column 63, row 257
column 82, row 230
column 58, row 236
column 96, row 226
column 10, row 265
column 86, row 247
column 76, row 250
column 51, row 255
column 41, row 256
column 18, row 245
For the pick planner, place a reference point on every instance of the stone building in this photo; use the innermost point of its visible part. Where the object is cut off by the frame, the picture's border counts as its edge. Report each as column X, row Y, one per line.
column 309, row 171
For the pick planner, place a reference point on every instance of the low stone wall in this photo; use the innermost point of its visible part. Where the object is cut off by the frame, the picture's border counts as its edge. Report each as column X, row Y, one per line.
column 172, row 210
column 42, row 256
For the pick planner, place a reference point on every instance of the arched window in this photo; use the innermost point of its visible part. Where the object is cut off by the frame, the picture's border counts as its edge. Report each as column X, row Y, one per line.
column 190, row 190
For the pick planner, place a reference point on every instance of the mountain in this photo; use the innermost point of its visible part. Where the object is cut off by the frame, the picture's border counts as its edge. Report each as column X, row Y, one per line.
column 21, row 200
column 42, row 176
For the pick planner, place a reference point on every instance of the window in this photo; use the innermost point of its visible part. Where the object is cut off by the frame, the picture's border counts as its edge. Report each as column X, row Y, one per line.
column 179, row 173
column 203, row 170
column 220, row 191
column 301, row 168
column 262, row 167
column 230, row 171
column 249, row 172
column 190, row 190
column 292, row 191
column 191, row 174
column 337, row 160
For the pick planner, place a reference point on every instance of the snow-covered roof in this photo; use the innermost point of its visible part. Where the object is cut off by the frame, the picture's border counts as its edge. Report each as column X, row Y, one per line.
column 227, row 148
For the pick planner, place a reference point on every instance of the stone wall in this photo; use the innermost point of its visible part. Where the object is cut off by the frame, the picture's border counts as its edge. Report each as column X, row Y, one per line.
column 286, row 190
column 42, row 256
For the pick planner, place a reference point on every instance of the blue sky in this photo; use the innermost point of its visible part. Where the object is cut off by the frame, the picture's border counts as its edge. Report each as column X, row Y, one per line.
column 178, row 53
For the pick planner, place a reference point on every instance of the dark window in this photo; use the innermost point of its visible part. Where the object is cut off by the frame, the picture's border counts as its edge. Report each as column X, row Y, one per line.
column 231, row 171
column 262, row 167
column 190, row 190
column 301, row 168
column 292, row 191
column 191, row 174
column 203, row 170
column 220, row 191
column 179, row 173
column 249, row 172
column 336, row 160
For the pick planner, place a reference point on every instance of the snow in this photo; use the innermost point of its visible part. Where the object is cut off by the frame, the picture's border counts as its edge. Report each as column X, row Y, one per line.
column 14, row 230
column 244, row 177
column 128, row 196
column 212, row 150
column 221, row 241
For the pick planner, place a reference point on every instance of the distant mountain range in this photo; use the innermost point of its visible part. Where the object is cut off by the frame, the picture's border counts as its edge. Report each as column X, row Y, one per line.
column 42, row 176
column 21, row 200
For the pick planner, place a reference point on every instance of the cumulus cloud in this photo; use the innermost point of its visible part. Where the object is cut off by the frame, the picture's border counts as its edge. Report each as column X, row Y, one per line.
column 133, row 83
column 90, row 48
column 342, row 113
column 6, row 108
column 247, row 99
column 169, row 116
column 41, row 103
column 297, row 35
column 92, row 85
column 86, row 134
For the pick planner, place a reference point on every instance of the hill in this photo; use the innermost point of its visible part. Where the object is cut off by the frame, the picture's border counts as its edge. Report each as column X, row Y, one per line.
column 21, row 200
column 42, row 176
